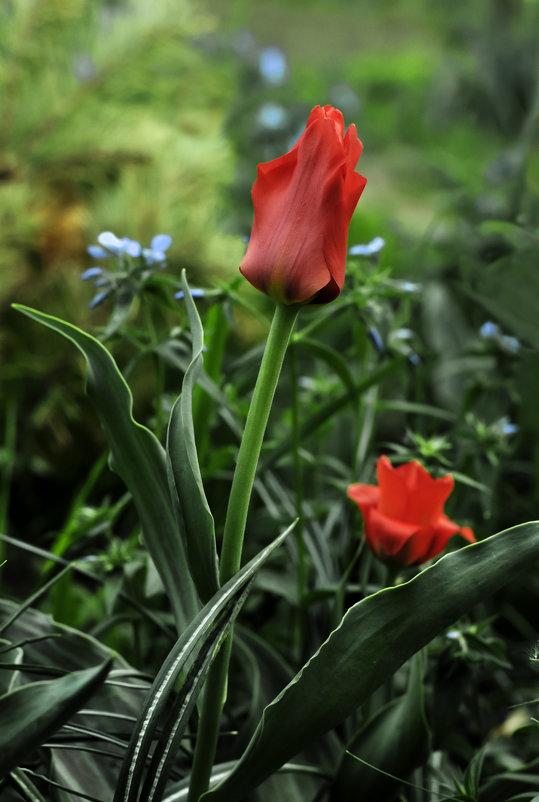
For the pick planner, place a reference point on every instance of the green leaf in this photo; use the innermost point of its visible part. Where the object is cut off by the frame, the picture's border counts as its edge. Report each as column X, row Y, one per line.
column 13, row 654
column 57, row 648
column 393, row 742
column 509, row 290
column 328, row 409
column 191, row 655
column 183, row 705
column 138, row 457
column 30, row 714
column 198, row 522
column 25, row 786
column 375, row 637
column 332, row 358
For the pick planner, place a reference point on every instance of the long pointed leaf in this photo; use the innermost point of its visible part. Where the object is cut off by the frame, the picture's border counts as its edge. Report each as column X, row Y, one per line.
column 394, row 740
column 182, row 451
column 30, row 714
column 178, row 718
column 375, row 637
column 139, row 458
column 193, row 642
column 25, row 786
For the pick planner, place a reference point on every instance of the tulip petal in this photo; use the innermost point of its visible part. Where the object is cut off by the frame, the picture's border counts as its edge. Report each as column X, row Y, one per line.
column 387, row 537
column 420, row 547
column 410, row 493
column 444, row 530
column 365, row 496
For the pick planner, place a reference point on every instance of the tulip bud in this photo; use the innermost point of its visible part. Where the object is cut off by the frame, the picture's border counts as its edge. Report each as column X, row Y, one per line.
column 303, row 204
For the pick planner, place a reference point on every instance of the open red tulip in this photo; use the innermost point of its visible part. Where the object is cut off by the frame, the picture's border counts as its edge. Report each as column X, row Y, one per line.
column 303, row 204
column 404, row 518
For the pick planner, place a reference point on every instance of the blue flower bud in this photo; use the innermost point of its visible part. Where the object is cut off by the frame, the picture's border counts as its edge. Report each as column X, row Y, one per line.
column 97, row 299
column 92, row 272
column 97, row 252
column 196, row 292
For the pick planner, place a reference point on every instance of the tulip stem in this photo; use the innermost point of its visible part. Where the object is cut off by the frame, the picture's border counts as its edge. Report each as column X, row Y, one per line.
column 392, row 572
column 231, row 551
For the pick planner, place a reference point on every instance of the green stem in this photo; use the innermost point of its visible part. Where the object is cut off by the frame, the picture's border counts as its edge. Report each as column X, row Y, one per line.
column 159, row 373
column 298, row 477
column 215, row 335
column 236, row 518
column 300, row 628
column 8, row 468
column 255, row 427
column 392, row 572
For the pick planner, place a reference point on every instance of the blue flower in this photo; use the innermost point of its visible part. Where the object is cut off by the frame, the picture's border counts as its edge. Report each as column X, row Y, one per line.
column 196, row 292
column 408, row 286
column 97, row 299
column 113, row 246
column 508, row 427
column 376, row 339
column 133, row 264
column 273, row 65
column 510, row 344
column 489, row 330
column 92, row 272
column 272, row 116
column 372, row 247
column 156, row 252
column 97, row 252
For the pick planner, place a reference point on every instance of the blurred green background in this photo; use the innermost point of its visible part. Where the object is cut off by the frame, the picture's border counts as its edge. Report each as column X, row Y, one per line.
column 145, row 118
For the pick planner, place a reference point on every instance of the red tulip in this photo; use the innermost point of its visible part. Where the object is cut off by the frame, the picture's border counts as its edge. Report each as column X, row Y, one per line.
column 404, row 518
column 303, row 204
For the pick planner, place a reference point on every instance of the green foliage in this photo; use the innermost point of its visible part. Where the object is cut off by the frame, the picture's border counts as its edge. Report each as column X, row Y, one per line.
column 31, row 713
column 140, row 460
column 376, row 636
column 112, row 119
column 199, row 644
column 182, row 452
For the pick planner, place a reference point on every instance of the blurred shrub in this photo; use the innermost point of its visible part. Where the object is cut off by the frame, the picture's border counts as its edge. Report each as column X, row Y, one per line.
column 112, row 118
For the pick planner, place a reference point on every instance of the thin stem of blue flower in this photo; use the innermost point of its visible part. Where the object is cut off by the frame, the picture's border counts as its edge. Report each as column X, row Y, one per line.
column 159, row 373
column 215, row 335
column 8, row 467
column 298, row 475
column 302, row 568
column 236, row 518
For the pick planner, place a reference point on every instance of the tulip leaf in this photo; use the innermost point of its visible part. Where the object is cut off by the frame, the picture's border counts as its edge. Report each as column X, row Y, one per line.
column 31, row 713
column 186, row 479
column 138, row 457
column 189, row 658
column 391, row 744
column 25, row 786
column 375, row 637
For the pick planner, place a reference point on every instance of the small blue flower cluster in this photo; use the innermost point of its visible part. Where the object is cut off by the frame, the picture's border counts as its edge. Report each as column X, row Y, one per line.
column 491, row 331
column 131, row 258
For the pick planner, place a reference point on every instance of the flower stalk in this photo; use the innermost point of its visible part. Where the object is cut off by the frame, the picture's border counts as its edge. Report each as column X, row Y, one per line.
column 242, row 484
